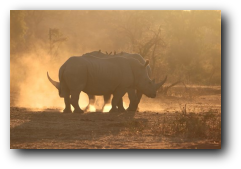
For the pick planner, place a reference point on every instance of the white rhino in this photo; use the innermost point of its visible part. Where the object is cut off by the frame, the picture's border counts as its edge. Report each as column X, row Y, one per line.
column 133, row 94
column 102, row 76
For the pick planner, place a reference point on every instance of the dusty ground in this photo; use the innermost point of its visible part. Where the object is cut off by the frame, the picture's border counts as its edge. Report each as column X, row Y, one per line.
column 187, row 119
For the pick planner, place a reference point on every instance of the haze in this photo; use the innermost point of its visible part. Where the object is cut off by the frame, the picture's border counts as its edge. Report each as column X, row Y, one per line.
column 181, row 44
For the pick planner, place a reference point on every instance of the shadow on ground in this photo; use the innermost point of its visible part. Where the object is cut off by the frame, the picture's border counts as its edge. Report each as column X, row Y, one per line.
column 38, row 126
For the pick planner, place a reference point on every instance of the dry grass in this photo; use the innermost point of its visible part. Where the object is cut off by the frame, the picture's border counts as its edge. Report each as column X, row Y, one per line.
column 184, row 126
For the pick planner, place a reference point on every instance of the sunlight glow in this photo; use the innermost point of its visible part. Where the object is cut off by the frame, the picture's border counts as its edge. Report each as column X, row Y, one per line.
column 92, row 108
column 107, row 108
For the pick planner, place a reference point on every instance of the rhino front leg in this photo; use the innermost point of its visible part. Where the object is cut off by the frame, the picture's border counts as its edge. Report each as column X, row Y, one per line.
column 133, row 99
column 117, row 97
column 138, row 99
column 120, row 106
column 67, row 104
column 75, row 102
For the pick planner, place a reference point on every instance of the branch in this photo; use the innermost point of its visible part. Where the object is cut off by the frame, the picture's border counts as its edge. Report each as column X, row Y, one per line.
column 174, row 84
column 165, row 89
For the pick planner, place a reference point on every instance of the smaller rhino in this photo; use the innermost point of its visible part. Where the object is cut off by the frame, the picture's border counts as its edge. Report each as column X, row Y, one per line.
column 134, row 95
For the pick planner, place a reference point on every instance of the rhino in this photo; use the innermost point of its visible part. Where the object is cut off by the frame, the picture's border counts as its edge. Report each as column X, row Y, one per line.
column 133, row 94
column 101, row 76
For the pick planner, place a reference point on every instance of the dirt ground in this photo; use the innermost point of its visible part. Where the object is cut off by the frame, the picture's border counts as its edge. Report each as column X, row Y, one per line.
column 184, row 119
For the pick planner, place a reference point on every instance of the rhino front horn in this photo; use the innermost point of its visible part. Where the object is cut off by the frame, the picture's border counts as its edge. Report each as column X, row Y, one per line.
column 56, row 84
column 158, row 85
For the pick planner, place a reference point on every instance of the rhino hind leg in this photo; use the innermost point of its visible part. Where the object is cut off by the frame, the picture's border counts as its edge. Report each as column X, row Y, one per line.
column 75, row 102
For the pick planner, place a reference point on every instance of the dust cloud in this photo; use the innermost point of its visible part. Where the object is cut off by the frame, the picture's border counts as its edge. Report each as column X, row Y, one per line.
column 29, row 76
column 34, row 91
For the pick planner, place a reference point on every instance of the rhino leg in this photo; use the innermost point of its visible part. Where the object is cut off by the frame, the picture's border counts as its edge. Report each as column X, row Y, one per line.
column 117, row 96
column 91, row 101
column 106, row 101
column 65, row 93
column 135, row 98
column 120, row 106
column 75, row 102
column 67, row 104
column 138, row 96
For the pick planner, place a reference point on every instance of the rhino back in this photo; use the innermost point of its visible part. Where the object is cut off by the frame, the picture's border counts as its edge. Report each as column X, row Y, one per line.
column 97, row 76
column 141, row 60
column 129, row 56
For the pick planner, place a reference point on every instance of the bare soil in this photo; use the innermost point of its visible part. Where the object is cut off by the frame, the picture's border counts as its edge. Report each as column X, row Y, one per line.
column 182, row 120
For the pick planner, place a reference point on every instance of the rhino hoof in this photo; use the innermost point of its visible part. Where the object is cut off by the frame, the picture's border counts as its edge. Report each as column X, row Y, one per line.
column 133, row 109
column 121, row 110
column 67, row 111
column 79, row 111
column 113, row 110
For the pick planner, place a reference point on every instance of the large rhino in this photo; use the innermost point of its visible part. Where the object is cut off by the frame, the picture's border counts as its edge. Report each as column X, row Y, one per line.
column 102, row 76
column 133, row 94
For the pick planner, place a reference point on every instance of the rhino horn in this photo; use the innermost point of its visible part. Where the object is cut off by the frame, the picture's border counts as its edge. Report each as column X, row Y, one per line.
column 147, row 62
column 56, row 84
column 158, row 85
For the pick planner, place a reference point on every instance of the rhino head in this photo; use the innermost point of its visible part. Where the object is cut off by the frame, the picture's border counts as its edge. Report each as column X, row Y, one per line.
column 145, row 84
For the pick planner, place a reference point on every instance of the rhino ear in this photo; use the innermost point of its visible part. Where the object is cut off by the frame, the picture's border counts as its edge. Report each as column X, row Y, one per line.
column 147, row 63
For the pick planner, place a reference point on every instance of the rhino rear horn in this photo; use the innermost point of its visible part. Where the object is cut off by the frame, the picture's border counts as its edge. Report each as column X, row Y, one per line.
column 147, row 62
column 56, row 84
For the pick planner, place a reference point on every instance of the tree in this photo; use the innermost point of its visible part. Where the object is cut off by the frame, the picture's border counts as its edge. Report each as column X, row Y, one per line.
column 143, row 33
column 18, row 29
column 55, row 40
column 191, row 35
